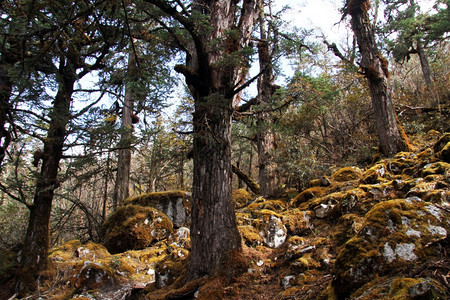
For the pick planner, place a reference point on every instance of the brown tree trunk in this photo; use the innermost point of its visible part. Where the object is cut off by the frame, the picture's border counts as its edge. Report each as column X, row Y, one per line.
column 376, row 69
column 426, row 70
column 121, row 188
column 36, row 244
column 5, row 93
column 214, row 233
column 265, row 138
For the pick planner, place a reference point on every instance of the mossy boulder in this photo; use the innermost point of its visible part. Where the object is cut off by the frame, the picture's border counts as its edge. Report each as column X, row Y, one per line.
column 176, row 205
column 310, row 193
column 347, row 174
column 401, row 288
column 375, row 174
column 90, row 275
column 272, row 230
column 395, row 234
column 297, row 222
column 134, row 227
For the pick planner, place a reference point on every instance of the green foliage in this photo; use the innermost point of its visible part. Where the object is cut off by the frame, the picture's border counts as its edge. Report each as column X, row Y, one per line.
column 406, row 26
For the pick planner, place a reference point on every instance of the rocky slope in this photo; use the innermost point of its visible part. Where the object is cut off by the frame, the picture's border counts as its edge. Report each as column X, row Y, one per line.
column 377, row 233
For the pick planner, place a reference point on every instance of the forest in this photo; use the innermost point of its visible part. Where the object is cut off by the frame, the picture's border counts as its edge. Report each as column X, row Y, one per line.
column 211, row 149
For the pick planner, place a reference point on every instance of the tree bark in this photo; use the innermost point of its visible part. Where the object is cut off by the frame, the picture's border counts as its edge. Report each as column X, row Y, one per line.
column 376, row 70
column 36, row 244
column 265, row 138
column 5, row 109
column 426, row 70
column 121, row 188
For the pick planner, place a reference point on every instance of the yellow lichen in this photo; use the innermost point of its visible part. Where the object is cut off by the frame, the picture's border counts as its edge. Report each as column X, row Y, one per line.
column 241, row 197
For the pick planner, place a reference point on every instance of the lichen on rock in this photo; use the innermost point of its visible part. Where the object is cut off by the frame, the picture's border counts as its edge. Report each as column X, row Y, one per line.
column 135, row 227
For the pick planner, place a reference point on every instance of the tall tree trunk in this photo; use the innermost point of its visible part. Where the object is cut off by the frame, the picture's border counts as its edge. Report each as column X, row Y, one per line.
column 376, row 69
column 36, row 244
column 265, row 138
column 214, row 233
column 212, row 80
column 121, row 188
column 5, row 93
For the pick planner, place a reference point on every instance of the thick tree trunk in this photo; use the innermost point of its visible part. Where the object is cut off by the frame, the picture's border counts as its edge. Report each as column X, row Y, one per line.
column 36, row 244
column 212, row 80
column 214, row 234
column 376, row 69
column 121, row 188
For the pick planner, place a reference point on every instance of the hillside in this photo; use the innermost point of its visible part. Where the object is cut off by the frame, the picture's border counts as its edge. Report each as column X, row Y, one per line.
column 374, row 233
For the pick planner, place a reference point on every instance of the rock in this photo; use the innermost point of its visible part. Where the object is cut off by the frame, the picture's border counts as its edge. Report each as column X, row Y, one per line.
column 166, row 272
column 439, row 167
column 402, row 288
column 324, row 181
column 444, row 154
column 394, row 235
column 287, row 281
column 134, row 227
column 442, row 142
column 375, row 174
column 323, row 210
column 273, row 231
column 176, row 205
column 347, row 174
column 92, row 251
column 297, row 222
column 312, row 192
column 90, row 275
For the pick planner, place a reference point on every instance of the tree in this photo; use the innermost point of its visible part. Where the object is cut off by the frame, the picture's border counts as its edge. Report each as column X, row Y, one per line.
column 124, row 157
column 77, row 48
column 375, row 67
column 265, row 138
column 216, row 59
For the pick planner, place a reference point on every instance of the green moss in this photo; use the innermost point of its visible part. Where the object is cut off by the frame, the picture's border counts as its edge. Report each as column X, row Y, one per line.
column 64, row 252
column 312, row 192
column 241, row 198
column 415, row 288
column 274, row 205
column 150, row 198
column 250, row 235
column 135, row 227
column 375, row 174
column 347, row 174
column 436, row 168
column 394, row 234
